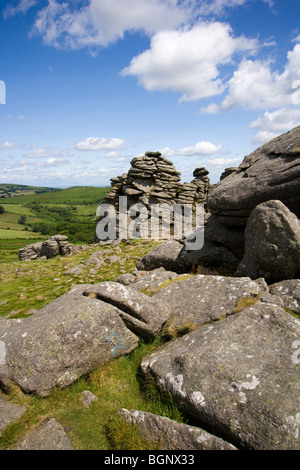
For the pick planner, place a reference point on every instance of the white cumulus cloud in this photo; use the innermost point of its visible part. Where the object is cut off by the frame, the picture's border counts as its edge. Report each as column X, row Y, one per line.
column 101, row 22
column 272, row 124
column 254, row 85
column 100, row 143
column 223, row 162
column 199, row 149
column 278, row 121
column 187, row 61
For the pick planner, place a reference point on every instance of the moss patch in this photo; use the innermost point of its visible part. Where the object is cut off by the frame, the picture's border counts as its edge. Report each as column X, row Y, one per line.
column 291, row 312
column 246, row 302
column 171, row 332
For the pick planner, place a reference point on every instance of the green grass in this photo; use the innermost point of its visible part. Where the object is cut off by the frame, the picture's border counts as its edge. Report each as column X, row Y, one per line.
column 31, row 285
column 9, row 220
column 291, row 312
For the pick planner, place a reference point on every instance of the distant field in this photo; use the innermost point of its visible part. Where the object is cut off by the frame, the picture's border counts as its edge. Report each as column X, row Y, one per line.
column 16, row 208
column 13, row 234
column 9, row 247
column 68, row 211
column 9, row 219
column 81, row 195
column 9, row 190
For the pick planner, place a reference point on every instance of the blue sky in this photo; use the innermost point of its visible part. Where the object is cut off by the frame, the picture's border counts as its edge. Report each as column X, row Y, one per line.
column 90, row 84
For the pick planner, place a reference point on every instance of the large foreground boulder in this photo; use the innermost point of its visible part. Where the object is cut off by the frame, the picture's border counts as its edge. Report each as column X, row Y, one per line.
column 238, row 377
column 143, row 315
column 65, row 339
column 272, row 243
column 270, row 172
column 167, row 434
column 201, row 299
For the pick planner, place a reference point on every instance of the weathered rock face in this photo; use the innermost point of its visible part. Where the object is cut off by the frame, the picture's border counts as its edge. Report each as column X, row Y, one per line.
column 228, row 171
column 170, row 435
column 196, row 191
column 238, row 377
column 64, row 340
column 143, row 315
column 231, row 238
column 29, row 252
column 50, row 249
column 151, row 281
column 289, row 291
column 270, row 172
column 55, row 245
column 211, row 255
column 151, row 179
column 166, row 255
column 272, row 243
column 201, row 299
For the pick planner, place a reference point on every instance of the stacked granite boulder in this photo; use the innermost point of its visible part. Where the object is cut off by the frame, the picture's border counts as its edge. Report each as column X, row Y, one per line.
column 153, row 179
column 197, row 190
column 112, row 197
column 32, row 251
column 55, row 245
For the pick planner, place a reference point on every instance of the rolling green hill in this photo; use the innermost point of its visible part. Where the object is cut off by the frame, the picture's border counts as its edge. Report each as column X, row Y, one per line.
column 37, row 215
column 13, row 190
column 81, row 195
